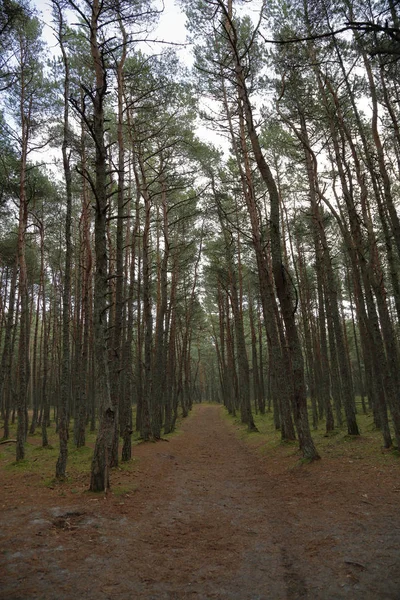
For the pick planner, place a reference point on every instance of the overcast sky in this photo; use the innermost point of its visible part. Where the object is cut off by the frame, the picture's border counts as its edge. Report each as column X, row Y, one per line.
column 171, row 27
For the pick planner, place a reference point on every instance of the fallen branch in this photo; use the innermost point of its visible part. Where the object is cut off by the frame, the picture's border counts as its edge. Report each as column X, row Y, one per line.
column 8, row 441
column 355, row 564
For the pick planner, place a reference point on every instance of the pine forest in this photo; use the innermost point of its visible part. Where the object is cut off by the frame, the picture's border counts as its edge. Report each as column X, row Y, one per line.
column 186, row 226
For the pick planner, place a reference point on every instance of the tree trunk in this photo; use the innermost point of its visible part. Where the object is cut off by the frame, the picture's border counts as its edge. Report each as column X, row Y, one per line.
column 99, row 480
column 66, row 298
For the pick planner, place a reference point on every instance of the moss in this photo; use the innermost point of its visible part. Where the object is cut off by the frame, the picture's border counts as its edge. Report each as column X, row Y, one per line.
column 123, row 490
column 50, row 482
column 305, row 461
column 128, row 465
column 43, row 448
column 394, row 452
column 334, row 444
column 20, row 465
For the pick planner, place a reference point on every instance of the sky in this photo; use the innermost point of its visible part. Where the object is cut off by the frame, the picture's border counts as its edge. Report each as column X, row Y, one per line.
column 171, row 27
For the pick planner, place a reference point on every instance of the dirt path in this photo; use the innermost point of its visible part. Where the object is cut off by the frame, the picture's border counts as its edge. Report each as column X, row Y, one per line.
column 210, row 518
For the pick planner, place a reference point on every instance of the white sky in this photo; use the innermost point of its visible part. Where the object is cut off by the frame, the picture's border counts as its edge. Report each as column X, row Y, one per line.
column 171, row 27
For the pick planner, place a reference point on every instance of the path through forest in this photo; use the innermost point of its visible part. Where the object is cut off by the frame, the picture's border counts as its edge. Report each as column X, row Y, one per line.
column 210, row 517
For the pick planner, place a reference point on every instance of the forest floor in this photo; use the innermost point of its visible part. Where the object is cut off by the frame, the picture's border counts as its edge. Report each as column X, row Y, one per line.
column 211, row 514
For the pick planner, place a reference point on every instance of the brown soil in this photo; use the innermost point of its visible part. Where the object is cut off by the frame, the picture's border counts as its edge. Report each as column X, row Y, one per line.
column 210, row 517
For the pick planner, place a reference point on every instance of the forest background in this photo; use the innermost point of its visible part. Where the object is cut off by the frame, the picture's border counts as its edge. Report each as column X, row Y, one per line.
column 158, row 270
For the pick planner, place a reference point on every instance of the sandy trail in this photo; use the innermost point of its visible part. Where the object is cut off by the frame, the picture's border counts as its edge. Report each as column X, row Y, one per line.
column 210, row 518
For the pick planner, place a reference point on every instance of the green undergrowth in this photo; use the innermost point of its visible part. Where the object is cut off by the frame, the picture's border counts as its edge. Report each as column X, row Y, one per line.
column 123, row 489
column 40, row 462
column 336, row 444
